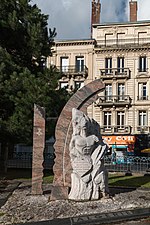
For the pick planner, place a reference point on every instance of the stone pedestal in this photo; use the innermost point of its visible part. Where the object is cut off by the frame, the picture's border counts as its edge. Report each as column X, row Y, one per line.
column 59, row 192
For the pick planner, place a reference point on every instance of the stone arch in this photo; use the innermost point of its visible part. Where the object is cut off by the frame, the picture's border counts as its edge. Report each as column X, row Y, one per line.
column 62, row 168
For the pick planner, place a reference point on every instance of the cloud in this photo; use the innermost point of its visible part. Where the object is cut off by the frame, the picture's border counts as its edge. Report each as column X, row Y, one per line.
column 143, row 9
column 113, row 10
column 72, row 17
column 67, row 4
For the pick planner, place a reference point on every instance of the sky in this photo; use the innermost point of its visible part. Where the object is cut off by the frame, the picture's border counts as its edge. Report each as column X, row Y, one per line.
column 72, row 18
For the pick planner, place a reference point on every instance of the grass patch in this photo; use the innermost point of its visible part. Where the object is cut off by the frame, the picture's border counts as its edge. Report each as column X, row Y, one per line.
column 48, row 179
column 129, row 181
column 25, row 174
column 48, row 176
column 115, row 179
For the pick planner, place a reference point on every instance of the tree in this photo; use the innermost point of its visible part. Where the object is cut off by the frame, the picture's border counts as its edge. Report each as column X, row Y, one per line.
column 24, row 32
column 24, row 80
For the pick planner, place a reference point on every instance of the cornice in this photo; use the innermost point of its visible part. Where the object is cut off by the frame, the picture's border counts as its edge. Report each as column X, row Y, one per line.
column 123, row 48
column 75, row 43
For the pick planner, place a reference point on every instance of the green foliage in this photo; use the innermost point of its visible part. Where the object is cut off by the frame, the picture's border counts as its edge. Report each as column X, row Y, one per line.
column 24, row 32
column 24, row 46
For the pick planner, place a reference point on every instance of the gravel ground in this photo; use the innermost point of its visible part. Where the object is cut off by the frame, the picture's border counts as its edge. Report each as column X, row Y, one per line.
column 23, row 207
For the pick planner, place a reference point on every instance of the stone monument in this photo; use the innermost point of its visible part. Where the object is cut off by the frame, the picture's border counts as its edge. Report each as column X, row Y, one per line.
column 89, row 179
column 62, row 168
column 38, row 149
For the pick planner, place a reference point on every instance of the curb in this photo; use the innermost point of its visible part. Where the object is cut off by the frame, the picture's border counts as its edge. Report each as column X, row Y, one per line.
column 102, row 218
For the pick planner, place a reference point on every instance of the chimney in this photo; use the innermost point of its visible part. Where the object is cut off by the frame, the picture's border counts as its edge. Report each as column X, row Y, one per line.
column 96, row 8
column 133, row 11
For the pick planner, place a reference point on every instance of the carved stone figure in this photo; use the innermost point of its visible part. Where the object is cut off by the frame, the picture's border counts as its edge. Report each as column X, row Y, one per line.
column 62, row 168
column 89, row 179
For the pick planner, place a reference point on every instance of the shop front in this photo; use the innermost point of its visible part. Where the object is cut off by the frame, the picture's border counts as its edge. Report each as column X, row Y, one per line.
column 121, row 146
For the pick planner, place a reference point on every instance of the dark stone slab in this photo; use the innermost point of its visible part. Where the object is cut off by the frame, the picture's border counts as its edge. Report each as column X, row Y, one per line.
column 101, row 218
column 111, row 217
column 59, row 192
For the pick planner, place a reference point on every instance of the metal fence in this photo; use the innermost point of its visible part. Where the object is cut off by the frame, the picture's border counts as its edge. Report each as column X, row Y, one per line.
column 24, row 160
column 135, row 164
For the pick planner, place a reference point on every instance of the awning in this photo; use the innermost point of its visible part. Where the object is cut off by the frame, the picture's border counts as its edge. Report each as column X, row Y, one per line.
column 146, row 150
column 119, row 146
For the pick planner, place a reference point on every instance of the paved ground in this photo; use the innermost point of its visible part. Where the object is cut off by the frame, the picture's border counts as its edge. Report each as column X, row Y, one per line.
column 6, row 189
column 118, row 217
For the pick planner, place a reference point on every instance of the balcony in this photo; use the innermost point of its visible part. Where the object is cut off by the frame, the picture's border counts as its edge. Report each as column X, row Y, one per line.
column 113, row 100
column 114, row 73
column 143, row 73
column 142, row 70
column 143, row 129
column 141, row 98
column 115, row 130
column 123, row 43
column 73, row 71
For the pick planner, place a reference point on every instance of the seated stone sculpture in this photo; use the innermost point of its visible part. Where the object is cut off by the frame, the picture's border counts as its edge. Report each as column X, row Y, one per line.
column 89, row 178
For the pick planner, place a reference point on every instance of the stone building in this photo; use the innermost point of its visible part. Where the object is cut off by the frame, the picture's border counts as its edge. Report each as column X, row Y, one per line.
column 119, row 54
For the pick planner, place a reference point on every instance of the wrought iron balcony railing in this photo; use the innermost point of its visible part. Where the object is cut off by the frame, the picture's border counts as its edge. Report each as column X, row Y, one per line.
column 141, row 98
column 143, row 129
column 113, row 100
column 142, row 70
column 73, row 70
column 108, row 73
column 115, row 129
column 128, row 42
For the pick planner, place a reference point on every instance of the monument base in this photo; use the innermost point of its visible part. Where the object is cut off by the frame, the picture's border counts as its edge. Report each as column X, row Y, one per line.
column 59, row 193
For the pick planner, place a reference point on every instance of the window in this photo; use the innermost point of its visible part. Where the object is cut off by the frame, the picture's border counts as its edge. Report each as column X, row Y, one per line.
column 79, row 84
column 108, row 65
column 64, row 85
column 108, row 39
column 142, row 64
column 121, row 92
column 43, row 63
column 142, row 118
column 107, row 119
column 120, row 38
column 64, row 62
column 108, row 92
column 79, row 64
column 142, row 91
column 142, row 37
column 120, row 119
column 120, row 65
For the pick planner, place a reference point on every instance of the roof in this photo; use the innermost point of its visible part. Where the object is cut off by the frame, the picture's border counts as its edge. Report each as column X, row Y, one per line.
column 75, row 42
column 123, row 23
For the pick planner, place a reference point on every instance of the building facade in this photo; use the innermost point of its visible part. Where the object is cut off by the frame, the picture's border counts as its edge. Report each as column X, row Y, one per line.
column 122, row 60
column 74, row 59
column 118, row 54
